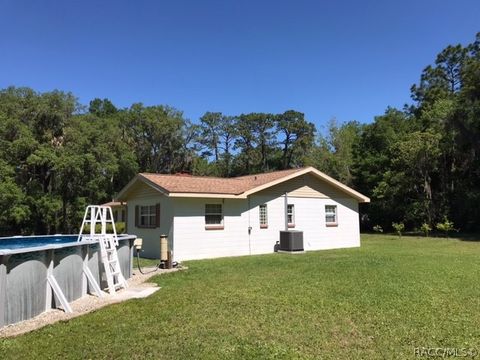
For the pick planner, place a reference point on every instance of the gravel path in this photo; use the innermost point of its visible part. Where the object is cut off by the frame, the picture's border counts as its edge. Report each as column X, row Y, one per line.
column 84, row 305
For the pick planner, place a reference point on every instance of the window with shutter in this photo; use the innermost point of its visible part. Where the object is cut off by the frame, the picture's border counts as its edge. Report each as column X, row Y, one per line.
column 147, row 216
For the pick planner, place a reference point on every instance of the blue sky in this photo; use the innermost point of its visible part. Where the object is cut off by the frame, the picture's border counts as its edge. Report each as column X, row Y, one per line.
column 343, row 59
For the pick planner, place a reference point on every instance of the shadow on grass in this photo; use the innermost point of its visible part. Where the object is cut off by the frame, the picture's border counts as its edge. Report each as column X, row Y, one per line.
column 468, row 236
column 463, row 236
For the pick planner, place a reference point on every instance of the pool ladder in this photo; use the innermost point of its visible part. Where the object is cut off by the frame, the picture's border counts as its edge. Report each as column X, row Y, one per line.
column 102, row 215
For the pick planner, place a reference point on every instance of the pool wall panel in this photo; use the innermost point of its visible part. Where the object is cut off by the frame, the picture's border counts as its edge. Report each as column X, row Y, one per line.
column 26, row 284
column 3, row 288
column 24, row 292
column 68, row 270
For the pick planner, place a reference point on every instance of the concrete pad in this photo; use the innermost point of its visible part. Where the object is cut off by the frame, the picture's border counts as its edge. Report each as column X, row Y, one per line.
column 138, row 292
column 291, row 252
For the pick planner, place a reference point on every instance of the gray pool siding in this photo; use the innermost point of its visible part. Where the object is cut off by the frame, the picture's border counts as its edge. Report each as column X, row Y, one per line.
column 23, row 276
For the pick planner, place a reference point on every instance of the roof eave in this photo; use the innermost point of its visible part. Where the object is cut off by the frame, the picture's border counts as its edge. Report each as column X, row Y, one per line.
column 207, row 195
column 122, row 195
column 342, row 187
column 337, row 184
column 275, row 182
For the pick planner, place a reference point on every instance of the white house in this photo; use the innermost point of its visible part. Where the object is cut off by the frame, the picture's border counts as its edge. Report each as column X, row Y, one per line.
column 207, row 217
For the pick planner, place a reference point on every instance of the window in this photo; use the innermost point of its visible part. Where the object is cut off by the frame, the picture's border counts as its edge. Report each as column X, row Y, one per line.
column 123, row 215
column 291, row 215
column 115, row 215
column 148, row 216
column 263, row 216
column 213, row 216
column 331, row 215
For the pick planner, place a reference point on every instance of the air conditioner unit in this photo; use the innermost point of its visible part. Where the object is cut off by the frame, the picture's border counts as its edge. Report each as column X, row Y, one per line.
column 291, row 240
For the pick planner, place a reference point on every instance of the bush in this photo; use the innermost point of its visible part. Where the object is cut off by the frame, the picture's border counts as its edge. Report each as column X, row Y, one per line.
column 378, row 229
column 119, row 226
column 398, row 227
column 446, row 226
column 425, row 228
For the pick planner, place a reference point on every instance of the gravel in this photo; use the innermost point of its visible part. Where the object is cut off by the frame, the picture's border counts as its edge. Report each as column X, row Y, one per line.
column 83, row 305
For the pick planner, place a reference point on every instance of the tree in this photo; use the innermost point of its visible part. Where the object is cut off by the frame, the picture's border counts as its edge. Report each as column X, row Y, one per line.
column 297, row 137
column 246, row 143
column 373, row 172
column 157, row 136
column 418, row 156
column 210, row 127
column 102, row 108
column 334, row 153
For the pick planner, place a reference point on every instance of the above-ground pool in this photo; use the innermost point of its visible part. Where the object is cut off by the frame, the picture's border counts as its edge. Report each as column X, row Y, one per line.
column 21, row 242
column 29, row 263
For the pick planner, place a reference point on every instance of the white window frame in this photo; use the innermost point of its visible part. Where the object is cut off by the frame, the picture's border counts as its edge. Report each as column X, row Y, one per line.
column 263, row 217
column 291, row 213
column 147, row 216
column 329, row 214
column 215, row 226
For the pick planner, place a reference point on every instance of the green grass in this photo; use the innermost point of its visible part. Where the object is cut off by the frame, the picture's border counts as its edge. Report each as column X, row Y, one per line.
column 144, row 262
column 377, row 301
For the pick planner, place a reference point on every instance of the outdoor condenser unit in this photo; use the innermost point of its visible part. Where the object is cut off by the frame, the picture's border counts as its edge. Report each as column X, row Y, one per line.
column 291, row 240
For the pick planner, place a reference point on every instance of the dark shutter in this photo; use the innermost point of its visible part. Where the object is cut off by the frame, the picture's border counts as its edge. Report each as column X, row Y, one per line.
column 126, row 219
column 157, row 215
column 136, row 215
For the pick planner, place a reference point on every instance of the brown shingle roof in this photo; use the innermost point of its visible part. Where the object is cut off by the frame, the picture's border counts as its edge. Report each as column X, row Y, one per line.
column 114, row 203
column 214, row 185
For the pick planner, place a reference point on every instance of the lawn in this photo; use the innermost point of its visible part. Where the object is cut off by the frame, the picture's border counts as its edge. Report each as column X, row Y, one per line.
column 378, row 301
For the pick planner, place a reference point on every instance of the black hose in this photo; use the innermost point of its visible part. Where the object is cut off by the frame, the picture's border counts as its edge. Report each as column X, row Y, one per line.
column 140, row 269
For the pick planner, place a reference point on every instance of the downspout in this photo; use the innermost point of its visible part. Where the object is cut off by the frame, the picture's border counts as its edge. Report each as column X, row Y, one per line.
column 286, row 211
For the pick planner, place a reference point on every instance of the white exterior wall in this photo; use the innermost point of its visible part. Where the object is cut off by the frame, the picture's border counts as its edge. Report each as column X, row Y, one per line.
column 309, row 218
column 151, row 236
column 193, row 241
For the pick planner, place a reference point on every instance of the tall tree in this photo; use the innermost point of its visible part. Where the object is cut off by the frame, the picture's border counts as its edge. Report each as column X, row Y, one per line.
column 334, row 153
column 296, row 137
column 102, row 108
column 246, row 142
column 157, row 132
column 210, row 128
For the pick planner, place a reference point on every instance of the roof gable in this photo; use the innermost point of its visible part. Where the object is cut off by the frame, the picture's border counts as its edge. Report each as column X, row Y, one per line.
column 238, row 187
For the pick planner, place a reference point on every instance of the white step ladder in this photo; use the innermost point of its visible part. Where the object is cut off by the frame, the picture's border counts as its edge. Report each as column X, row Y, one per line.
column 102, row 215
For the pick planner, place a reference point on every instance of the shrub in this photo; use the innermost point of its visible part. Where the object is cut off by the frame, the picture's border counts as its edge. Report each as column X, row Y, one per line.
column 425, row 228
column 398, row 227
column 119, row 226
column 378, row 228
column 445, row 226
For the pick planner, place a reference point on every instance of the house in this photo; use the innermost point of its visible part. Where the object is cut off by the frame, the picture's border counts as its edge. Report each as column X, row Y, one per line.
column 207, row 217
column 119, row 210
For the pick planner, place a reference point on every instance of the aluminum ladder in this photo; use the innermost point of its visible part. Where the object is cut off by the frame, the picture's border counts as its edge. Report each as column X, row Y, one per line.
column 102, row 215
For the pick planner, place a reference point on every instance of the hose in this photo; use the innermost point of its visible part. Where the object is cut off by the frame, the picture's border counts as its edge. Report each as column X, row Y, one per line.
column 140, row 269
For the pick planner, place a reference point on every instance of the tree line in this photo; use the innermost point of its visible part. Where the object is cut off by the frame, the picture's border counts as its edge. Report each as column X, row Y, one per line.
column 419, row 164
